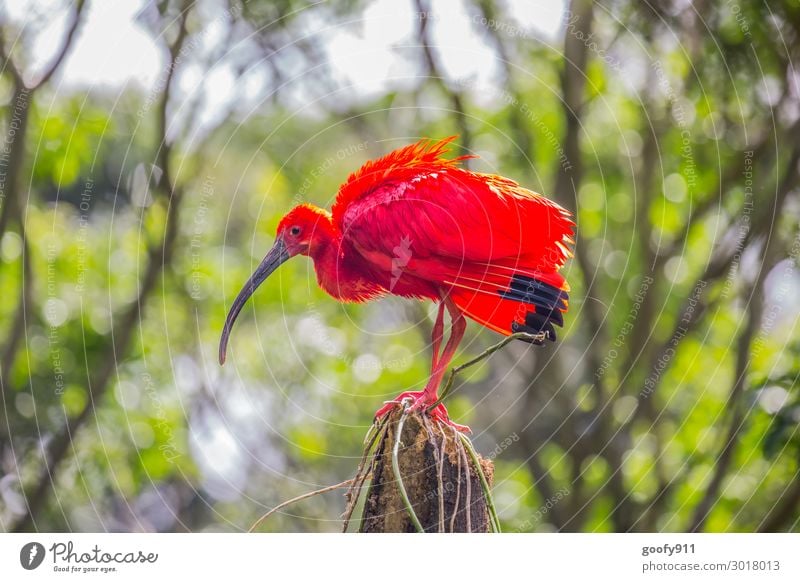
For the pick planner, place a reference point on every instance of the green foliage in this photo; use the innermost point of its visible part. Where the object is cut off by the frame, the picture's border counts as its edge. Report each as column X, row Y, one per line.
column 174, row 442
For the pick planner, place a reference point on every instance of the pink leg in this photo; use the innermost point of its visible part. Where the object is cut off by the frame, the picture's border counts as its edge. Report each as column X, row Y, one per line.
column 436, row 336
column 457, row 327
column 422, row 400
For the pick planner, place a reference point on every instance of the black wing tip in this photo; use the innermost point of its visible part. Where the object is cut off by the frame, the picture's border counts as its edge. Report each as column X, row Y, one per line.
column 549, row 303
column 530, row 290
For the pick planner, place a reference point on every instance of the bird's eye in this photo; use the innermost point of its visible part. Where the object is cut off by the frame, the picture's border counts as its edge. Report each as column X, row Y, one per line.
column 294, row 231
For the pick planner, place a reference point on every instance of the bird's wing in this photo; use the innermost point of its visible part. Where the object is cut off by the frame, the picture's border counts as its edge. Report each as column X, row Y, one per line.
column 400, row 165
column 477, row 234
column 459, row 215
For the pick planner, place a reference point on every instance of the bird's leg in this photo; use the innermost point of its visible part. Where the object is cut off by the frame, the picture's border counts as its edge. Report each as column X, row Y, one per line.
column 436, row 336
column 457, row 327
column 436, row 343
column 424, row 399
column 428, row 398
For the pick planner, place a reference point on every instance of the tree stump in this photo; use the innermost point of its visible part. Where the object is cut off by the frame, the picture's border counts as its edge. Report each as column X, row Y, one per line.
column 439, row 477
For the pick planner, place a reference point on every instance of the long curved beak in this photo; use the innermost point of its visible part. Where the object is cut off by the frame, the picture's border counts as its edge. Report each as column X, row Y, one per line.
column 276, row 256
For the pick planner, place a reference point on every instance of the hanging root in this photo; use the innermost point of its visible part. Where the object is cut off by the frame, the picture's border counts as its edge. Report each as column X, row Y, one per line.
column 396, row 470
column 438, row 455
column 374, row 435
column 280, row 506
column 487, row 492
column 458, row 483
column 468, row 502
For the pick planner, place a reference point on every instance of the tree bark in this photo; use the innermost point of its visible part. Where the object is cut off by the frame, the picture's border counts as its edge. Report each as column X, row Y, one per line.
column 439, row 477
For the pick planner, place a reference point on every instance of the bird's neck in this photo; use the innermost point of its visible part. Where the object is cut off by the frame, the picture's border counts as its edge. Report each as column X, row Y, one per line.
column 333, row 263
column 325, row 246
column 325, row 240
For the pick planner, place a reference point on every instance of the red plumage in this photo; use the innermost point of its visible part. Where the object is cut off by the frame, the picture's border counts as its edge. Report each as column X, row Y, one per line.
column 416, row 224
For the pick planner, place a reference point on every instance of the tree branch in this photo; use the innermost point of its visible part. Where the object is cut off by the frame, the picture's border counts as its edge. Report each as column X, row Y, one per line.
column 737, row 410
column 435, row 73
column 68, row 40
column 8, row 62
column 18, row 324
column 784, row 508
column 522, row 137
column 16, row 334
column 695, row 307
column 159, row 257
column 573, row 81
column 20, row 109
column 569, row 178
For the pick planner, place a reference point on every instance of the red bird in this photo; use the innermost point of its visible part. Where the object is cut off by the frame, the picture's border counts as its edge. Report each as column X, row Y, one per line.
column 415, row 224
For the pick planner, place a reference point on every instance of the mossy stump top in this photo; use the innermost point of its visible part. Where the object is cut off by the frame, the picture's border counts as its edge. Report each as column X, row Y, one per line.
column 439, row 478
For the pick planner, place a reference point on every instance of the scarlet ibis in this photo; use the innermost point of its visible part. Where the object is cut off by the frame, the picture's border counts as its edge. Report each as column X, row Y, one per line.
column 417, row 225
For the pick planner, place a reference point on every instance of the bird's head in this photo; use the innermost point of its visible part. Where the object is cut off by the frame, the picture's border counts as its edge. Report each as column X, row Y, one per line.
column 302, row 227
column 299, row 232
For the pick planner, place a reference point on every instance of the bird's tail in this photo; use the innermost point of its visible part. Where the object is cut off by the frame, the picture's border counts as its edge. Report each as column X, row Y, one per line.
column 512, row 299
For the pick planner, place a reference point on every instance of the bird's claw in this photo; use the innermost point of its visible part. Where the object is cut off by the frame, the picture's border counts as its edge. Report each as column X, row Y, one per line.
column 390, row 404
column 439, row 413
column 421, row 402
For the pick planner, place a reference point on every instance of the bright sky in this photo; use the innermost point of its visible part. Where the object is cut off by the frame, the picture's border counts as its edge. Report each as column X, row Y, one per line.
column 114, row 49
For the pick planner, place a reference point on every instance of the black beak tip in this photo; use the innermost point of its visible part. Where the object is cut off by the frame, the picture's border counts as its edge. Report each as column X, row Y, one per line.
column 223, row 348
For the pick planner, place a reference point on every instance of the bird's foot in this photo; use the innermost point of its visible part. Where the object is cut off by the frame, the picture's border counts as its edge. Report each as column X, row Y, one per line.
column 440, row 413
column 421, row 401
column 414, row 395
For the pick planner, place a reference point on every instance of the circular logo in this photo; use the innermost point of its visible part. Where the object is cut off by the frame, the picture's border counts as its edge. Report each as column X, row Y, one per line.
column 31, row 555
